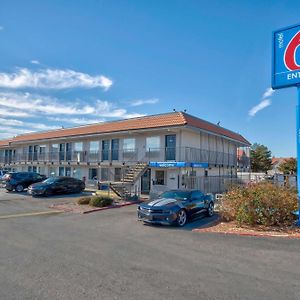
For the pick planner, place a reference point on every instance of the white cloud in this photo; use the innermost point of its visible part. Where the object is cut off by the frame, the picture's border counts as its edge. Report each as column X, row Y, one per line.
column 12, row 113
column 52, row 79
column 34, row 104
column 268, row 93
column 263, row 103
column 35, row 62
column 12, row 131
column 142, row 102
column 15, row 104
column 134, row 115
column 78, row 121
column 19, row 123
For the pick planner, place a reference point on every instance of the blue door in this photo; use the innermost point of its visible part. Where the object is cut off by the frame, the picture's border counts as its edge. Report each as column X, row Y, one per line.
column 69, row 151
column 170, row 147
column 105, row 150
column 115, row 149
column 61, row 152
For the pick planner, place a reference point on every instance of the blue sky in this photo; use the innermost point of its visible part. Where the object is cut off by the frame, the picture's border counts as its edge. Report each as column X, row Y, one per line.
column 66, row 63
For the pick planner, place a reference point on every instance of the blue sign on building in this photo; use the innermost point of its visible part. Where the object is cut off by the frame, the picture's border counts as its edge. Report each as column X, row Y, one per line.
column 286, row 57
column 177, row 164
column 169, row 164
column 199, row 165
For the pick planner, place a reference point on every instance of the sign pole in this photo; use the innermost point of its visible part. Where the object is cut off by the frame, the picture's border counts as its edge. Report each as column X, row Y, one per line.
column 298, row 151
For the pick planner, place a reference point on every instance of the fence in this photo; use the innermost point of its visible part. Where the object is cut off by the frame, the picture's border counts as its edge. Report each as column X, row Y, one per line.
column 211, row 184
column 220, row 184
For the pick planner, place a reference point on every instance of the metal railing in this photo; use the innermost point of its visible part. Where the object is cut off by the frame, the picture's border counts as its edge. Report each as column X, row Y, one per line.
column 187, row 154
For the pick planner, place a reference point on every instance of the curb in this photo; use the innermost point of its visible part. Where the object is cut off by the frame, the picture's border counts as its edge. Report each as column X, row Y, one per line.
column 254, row 234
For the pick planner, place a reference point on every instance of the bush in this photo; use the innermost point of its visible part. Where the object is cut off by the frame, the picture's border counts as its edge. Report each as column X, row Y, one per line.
column 84, row 200
column 100, row 201
column 259, row 204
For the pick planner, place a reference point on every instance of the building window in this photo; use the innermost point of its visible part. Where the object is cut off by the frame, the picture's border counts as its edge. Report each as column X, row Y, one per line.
column 78, row 146
column 159, row 177
column 68, row 171
column 104, row 174
column 61, row 171
column 105, row 149
column 93, row 172
column 42, row 152
column 53, row 171
column 54, row 147
column 153, row 143
column 54, row 152
column 77, row 173
column 118, row 174
column 129, row 145
column 94, row 146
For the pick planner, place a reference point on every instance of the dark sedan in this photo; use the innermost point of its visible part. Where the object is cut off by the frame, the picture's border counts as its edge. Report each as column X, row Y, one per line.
column 176, row 207
column 57, row 185
column 19, row 181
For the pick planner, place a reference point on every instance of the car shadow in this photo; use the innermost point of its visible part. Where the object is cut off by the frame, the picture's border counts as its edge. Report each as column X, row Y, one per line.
column 56, row 196
column 63, row 196
column 200, row 222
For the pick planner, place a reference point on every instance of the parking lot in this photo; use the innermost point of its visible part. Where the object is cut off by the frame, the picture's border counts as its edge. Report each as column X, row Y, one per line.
column 110, row 255
column 13, row 203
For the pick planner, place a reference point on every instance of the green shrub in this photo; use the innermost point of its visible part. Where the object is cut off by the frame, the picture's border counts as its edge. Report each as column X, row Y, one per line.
column 100, row 201
column 259, row 204
column 84, row 200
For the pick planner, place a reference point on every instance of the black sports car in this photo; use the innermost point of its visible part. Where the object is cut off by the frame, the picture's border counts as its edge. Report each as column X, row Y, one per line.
column 56, row 185
column 176, row 207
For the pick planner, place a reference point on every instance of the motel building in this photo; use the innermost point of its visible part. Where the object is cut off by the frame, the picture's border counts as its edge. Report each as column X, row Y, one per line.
column 142, row 155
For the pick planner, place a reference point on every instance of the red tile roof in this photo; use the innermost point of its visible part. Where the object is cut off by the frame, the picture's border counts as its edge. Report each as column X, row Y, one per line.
column 4, row 143
column 155, row 121
column 204, row 125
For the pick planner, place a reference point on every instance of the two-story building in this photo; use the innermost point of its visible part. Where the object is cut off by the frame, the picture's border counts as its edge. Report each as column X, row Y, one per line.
column 151, row 152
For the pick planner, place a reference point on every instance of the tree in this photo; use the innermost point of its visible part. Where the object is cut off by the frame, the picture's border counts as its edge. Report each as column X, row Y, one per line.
column 288, row 166
column 260, row 157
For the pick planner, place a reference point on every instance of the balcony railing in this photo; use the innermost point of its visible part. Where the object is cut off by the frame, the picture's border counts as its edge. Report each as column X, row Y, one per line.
column 187, row 154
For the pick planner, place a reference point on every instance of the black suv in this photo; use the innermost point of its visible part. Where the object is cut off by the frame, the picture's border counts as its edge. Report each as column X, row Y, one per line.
column 19, row 181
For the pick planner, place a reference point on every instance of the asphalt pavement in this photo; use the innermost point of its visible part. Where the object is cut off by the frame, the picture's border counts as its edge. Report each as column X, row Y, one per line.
column 111, row 255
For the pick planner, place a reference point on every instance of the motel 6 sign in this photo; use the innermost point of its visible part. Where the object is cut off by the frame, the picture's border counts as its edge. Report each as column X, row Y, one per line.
column 286, row 57
column 286, row 73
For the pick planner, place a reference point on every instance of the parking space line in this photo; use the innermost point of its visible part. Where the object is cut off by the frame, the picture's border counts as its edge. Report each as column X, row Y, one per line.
column 39, row 213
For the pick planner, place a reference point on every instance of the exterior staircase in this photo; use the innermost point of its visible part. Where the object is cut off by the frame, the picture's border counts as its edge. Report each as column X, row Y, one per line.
column 124, row 188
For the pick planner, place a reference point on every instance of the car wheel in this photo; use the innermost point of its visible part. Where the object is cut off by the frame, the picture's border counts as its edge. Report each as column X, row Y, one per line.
column 210, row 209
column 181, row 218
column 19, row 188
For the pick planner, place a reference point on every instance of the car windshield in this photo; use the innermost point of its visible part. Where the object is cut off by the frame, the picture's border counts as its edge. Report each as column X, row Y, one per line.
column 178, row 195
column 50, row 180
